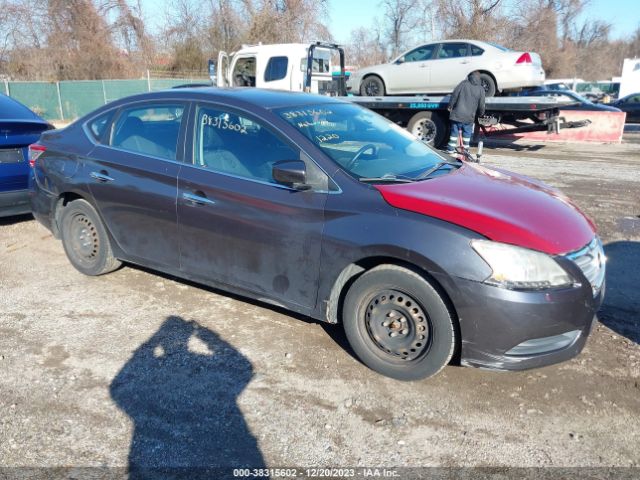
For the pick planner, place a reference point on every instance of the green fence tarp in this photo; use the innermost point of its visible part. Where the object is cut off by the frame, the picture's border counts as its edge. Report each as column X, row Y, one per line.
column 116, row 89
column 41, row 97
column 79, row 97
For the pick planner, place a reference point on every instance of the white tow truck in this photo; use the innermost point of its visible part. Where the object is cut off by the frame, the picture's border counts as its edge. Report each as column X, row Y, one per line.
column 308, row 67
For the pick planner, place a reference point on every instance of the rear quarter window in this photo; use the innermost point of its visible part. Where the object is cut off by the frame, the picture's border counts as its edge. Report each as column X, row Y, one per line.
column 98, row 126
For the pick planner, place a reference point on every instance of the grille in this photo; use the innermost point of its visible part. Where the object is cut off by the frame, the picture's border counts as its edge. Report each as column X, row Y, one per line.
column 591, row 260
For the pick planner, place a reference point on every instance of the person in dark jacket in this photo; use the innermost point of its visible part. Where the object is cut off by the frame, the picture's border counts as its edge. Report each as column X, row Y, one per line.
column 467, row 102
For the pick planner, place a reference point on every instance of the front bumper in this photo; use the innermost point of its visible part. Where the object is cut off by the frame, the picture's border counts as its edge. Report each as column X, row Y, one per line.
column 15, row 202
column 514, row 330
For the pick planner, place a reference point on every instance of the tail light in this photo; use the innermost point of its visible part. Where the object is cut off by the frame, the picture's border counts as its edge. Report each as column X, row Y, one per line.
column 524, row 58
column 35, row 150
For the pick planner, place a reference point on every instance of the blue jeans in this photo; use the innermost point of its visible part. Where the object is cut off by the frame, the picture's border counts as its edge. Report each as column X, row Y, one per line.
column 467, row 132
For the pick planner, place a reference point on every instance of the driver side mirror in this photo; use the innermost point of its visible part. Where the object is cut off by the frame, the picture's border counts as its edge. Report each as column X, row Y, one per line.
column 399, row 61
column 292, row 173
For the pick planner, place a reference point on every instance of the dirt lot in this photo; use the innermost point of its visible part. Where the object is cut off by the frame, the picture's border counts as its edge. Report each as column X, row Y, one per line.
column 137, row 366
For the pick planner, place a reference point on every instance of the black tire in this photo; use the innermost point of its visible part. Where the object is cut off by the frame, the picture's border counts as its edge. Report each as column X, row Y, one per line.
column 372, row 86
column 418, row 339
column 85, row 239
column 429, row 127
column 489, row 84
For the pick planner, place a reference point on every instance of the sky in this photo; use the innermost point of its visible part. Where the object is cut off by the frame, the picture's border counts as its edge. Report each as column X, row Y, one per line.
column 347, row 15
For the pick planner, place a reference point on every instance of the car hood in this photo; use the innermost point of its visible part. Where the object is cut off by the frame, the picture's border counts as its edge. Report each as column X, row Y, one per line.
column 500, row 205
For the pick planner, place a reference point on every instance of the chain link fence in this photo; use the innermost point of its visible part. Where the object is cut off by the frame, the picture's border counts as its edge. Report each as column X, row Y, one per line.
column 68, row 100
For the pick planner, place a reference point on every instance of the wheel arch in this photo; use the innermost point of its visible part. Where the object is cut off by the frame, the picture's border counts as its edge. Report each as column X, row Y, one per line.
column 62, row 201
column 69, row 196
column 373, row 74
column 495, row 80
column 352, row 271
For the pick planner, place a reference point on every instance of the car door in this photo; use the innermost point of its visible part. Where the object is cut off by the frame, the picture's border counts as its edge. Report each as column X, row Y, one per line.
column 237, row 226
column 410, row 73
column 222, row 75
column 243, row 71
column 451, row 64
column 632, row 107
column 133, row 175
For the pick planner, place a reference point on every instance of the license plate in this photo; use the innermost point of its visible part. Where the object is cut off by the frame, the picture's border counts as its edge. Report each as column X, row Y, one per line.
column 11, row 155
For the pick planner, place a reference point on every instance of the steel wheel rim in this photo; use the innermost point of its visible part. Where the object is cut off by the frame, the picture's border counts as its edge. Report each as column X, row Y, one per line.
column 83, row 238
column 424, row 130
column 398, row 325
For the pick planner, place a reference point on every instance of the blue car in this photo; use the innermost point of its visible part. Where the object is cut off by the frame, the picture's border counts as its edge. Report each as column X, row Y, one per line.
column 19, row 127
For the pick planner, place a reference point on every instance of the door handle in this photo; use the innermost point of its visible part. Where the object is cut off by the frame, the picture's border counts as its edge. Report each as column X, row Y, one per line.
column 101, row 176
column 197, row 199
column 464, row 62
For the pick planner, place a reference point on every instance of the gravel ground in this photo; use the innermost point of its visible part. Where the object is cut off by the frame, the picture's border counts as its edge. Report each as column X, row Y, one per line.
column 136, row 366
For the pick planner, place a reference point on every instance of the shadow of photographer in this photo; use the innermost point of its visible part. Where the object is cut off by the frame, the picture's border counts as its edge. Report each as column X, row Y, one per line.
column 621, row 309
column 180, row 389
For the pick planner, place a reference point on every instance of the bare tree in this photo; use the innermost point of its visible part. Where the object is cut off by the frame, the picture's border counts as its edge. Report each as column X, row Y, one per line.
column 184, row 29
column 402, row 20
column 275, row 21
column 129, row 29
column 365, row 47
column 476, row 19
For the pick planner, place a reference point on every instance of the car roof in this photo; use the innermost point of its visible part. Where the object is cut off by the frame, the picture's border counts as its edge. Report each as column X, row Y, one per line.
column 11, row 109
column 257, row 97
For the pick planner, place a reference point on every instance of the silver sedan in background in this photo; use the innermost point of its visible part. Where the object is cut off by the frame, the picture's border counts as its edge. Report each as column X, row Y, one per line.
column 438, row 67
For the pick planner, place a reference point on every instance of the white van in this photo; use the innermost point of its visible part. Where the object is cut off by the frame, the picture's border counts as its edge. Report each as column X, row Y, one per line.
column 278, row 66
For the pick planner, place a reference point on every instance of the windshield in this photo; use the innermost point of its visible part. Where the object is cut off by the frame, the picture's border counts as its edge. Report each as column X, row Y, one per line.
column 363, row 143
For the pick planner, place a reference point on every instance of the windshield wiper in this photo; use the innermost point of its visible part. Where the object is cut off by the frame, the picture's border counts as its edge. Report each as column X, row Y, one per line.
column 435, row 168
column 387, row 178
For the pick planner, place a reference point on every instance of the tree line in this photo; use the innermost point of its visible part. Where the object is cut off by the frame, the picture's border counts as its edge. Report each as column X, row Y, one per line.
column 100, row 39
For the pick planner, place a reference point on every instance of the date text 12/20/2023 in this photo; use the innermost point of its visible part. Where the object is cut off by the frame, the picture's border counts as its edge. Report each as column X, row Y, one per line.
column 315, row 473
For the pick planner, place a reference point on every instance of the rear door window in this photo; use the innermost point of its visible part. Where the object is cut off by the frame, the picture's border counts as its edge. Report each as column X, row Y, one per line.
column 150, row 130
column 453, row 50
column 276, row 69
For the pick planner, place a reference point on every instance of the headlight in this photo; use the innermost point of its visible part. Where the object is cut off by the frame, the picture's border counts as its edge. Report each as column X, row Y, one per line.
column 519, row 268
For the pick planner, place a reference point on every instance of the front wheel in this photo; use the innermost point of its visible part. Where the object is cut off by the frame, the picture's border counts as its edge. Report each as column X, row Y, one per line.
column 85, row 239
column 398, row 324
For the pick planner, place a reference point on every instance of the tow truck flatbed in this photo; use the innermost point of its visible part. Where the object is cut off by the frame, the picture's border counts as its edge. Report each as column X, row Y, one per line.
column 492, row 104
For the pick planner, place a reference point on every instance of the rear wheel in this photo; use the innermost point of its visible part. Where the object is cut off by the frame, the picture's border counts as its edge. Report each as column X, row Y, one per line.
column 398, row 324
column 85, row 239
column 428, row 127
column 489, row 84
column 372, row 86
